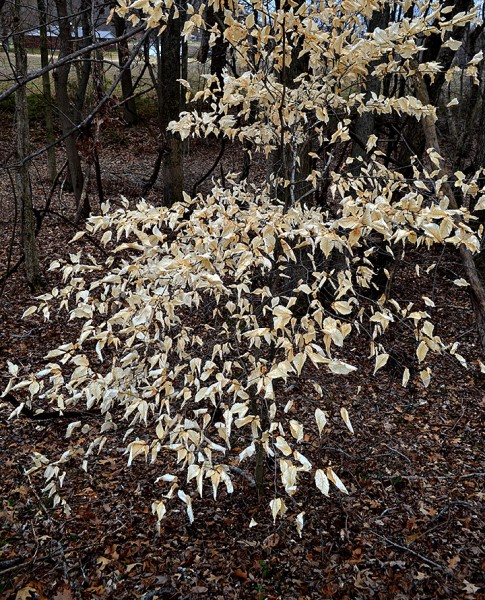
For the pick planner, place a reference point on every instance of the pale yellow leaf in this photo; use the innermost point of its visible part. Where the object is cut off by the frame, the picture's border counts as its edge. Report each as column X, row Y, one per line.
column 480, row 205
column 345, row 417
column 333, row 477
column 188, row 501
column 340, row 368
column 30, row 311
column 296, row 430
column 321, row 481
column 320, row 419
column 299, row 522
column 159, row 509
column 381, row 361
column 422, row 351
column 283, row 446
column 342, row 307
column 277, row 506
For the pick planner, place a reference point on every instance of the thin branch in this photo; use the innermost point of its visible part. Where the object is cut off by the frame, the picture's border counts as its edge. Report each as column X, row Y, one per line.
column 87, row 121
column 425, row 559
column 400, row 453
column 243, row 474
column 70, row 57
column 4, row 278
column 212, row 169
column 11, row 270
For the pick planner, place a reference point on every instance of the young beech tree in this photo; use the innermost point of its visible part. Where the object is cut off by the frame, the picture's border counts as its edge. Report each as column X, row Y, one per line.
column 204, row 310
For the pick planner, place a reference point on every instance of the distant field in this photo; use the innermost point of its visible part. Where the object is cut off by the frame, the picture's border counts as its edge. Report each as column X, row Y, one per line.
column 110, row 58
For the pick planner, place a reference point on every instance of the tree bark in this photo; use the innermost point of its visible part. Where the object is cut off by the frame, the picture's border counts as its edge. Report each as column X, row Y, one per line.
column 61, row 79
column 476, row 282
column 480, row 155
column 434, row 52
column 170, row 101
column 130, row 113
column 46, row 90
column 84, row 71
column 22, row 178
column 290, row 162
column 365, row 123
column 219, row 49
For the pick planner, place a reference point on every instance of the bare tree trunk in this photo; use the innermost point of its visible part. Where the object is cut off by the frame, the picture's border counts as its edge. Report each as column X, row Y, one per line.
column 471, row 120
column 444, row 56
column 84, row 71
column 129, row 106
column 434, row 52
column 219, row 49
column 170, row 94
column 46, row 90
column 184, row 70
column 479, row 163
column 22, row 178
column 365, row 123
column 290, row 162
column 472, row 274
column 480, row 155
column 61, row 78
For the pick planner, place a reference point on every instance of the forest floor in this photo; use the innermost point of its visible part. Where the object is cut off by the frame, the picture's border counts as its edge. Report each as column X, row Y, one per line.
column 412, row 525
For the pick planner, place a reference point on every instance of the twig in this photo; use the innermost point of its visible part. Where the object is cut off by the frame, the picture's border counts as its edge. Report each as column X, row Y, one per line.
column 330, row 449
column 86, row 122
column 47, row 415
column 424, row 478
column 38, row 498
column 148, row 186
column 385, row 511
column 442, row 512
column 42, row 213
column 10, row 562
column 211, row 170
column 15, row 567
column 400, row 453
column 426, row 560
column 243, row 474
column 29, row 562
column 69, row 58
column 60, row 549
column 77, row 227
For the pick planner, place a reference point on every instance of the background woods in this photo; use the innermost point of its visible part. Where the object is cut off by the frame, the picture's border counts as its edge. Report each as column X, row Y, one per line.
column 265, row 337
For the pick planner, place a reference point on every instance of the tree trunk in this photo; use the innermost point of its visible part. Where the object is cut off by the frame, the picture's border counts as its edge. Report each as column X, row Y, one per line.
column 170, row 95
column 219, row 49
column 61, row 78
column 22, row 178
column 220, row 45
column 46, row 90
column 365, row 123
column 129, row 106
column 479, row 163
column 290, row 162
column 84, row 71
column 480, row 155
column 203, row 52
column 434, row 52
column 476, row 282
